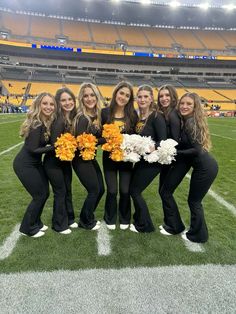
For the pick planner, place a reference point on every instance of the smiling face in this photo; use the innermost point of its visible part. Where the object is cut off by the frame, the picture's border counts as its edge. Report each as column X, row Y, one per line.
column 164, row 98
column 186, row 106
column 47, row 106
column 144, row 100
column 122, row 97
column 89, row 99
column 67, row 103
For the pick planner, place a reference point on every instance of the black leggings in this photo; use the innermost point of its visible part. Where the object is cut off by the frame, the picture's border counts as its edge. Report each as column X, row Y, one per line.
column 204, row 172
column 143, row 174
column 60, row 177
column 34, row 179
column 111, row 170
column 90, row 175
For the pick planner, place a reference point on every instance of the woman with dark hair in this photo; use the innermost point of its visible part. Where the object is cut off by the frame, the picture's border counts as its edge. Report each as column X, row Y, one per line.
column 88, row 120
column 60, row 172
column 167, row 100
column 151, row 123
column 192, row 152
column 120, row 112
column 27, row 165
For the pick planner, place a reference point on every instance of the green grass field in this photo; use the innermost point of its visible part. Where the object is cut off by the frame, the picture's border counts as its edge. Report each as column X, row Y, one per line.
column 79, row 250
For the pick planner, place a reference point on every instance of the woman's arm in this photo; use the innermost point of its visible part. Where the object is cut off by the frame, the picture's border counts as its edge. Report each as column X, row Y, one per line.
column 175, row 125
column 160, row 129
column 34, row 143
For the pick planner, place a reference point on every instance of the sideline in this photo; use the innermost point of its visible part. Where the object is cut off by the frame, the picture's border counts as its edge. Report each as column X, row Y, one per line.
column 171, row 289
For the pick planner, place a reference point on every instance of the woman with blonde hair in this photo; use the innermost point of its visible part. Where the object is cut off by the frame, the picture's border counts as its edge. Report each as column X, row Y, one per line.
column 151, row 123
column 60, row 172
column 192, row 152
column 88, row 120
column 27, row 165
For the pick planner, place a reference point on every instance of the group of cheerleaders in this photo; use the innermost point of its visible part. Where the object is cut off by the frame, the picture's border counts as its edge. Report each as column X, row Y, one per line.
column 183, row 120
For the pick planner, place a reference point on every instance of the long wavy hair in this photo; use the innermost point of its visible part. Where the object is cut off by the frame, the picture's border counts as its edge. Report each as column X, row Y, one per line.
column 173, row 100
column 34, row 116
column 82, row 110
column 129, row 111
column 149, row 89
column 67, row 118
column 197, row 125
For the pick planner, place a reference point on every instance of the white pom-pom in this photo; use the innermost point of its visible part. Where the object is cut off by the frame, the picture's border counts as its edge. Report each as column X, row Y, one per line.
column 164, row 154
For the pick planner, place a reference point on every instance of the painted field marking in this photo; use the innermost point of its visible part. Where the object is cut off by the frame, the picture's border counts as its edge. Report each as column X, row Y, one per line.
column 220, row 200
column 10, row 242
column 10, row 148
column 223, row 202
column 170, row 289
column 226, row 137
column 7, row 122
column 194, row 247
column 103, row 240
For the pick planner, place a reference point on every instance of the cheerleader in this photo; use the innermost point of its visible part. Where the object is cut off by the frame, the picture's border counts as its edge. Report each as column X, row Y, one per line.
column 151, row 123
column 120, row 112
column 27, row 165
column 88, row 120
column 193, row 152
column 60, row 172
column 167, row 100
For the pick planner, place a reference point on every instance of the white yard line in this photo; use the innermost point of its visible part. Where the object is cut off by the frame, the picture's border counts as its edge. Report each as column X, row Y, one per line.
column 10, row 242
column 10, row 148
column 10, row 122
column 103, row 240
column 194, row 247
column 226, row 137
column 223, row 202
column 220, row 200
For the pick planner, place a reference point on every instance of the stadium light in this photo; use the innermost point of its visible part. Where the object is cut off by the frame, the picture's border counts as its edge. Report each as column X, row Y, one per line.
column 229, row 7
column 174, row 4
column 145, row 2
column 204, row 6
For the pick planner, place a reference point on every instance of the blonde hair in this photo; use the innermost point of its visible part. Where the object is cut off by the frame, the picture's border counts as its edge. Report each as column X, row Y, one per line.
column 82, row 110
column 199, row 128
column 34, row 116
column 149, row 89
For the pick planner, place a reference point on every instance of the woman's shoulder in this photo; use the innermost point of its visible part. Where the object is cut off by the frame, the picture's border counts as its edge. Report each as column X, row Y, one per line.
column 174, row 113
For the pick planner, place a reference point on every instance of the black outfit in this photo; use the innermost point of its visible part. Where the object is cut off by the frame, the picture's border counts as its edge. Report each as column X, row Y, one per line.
column 29, row 169
column 60, row 176
column 144, row 173
column 205, row 168
column 111, row 170
column 90, row 175
column 173, row 127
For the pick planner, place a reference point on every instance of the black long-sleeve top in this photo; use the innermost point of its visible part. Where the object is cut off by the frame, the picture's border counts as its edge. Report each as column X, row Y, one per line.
column 36, row 143
column 83, row 125
column 188, row 146
column 105, row 117
column 155, row 127
column 173, row 125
